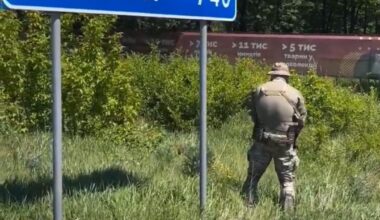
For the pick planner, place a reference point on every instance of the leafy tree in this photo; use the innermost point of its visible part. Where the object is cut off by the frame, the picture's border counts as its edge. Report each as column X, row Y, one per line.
column 281, row 16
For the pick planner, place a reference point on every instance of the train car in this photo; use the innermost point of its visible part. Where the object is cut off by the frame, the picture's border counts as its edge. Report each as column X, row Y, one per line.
column 338, row 56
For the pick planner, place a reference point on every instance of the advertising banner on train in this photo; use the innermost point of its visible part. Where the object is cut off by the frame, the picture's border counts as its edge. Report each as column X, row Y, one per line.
column 341, row 56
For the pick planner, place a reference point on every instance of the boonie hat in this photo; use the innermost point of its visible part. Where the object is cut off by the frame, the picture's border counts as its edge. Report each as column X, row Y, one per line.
column 280, row 69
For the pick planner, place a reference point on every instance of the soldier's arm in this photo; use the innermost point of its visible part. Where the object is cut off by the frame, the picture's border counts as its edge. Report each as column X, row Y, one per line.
column 301, row 107
column 252, row 106
column 253, row 113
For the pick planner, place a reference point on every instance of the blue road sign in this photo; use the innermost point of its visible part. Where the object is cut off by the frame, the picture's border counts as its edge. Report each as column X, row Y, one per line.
column 222, row 10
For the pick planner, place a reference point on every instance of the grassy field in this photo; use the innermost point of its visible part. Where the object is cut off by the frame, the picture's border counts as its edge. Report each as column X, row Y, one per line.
column 108, row 181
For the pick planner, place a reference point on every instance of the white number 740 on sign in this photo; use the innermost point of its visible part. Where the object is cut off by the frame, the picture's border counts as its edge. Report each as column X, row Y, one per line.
column 226, row 3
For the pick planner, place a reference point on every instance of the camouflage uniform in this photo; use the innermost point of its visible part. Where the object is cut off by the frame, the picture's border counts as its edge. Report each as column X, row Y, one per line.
column 278, row 111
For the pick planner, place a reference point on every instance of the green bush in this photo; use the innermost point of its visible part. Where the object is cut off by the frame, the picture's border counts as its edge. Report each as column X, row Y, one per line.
column 337, row 107
column 24, row 65
column 335, row 111
column 96, row 91
column 12, row 116
column 139, row 136
column 170, row 87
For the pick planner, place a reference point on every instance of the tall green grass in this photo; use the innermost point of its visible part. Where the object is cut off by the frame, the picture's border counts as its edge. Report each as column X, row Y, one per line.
column 103, row 180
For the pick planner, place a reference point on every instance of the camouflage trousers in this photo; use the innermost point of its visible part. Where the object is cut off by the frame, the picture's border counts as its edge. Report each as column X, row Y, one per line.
column 285, row 162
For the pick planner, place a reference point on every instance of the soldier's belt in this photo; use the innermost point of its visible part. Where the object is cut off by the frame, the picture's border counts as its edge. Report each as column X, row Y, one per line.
column 277, row 138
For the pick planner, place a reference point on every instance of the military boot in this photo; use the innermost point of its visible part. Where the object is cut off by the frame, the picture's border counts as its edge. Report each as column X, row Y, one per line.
column 287, row 202
column 249, row 193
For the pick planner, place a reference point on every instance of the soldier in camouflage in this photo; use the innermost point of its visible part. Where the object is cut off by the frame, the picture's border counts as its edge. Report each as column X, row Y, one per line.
column 278, row 112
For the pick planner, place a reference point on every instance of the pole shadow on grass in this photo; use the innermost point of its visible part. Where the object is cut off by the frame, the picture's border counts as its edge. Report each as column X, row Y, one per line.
column 18, row 191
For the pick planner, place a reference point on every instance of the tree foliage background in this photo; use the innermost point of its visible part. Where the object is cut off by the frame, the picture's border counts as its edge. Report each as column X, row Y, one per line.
column 282, row 16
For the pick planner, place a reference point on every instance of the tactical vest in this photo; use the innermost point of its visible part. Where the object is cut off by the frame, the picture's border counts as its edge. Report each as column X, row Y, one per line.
column 274, row 108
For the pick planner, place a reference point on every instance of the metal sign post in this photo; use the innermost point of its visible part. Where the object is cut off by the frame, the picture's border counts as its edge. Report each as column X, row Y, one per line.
column 220, row 10
column 57, row 114
column 203, row 117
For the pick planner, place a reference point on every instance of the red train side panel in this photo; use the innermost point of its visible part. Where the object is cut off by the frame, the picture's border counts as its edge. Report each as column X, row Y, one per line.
column 345, row 56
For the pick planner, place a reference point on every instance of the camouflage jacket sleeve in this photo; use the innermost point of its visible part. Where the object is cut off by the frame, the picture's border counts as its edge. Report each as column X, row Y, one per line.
column 253, row 113
column 302, row 110
column 252, row 105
